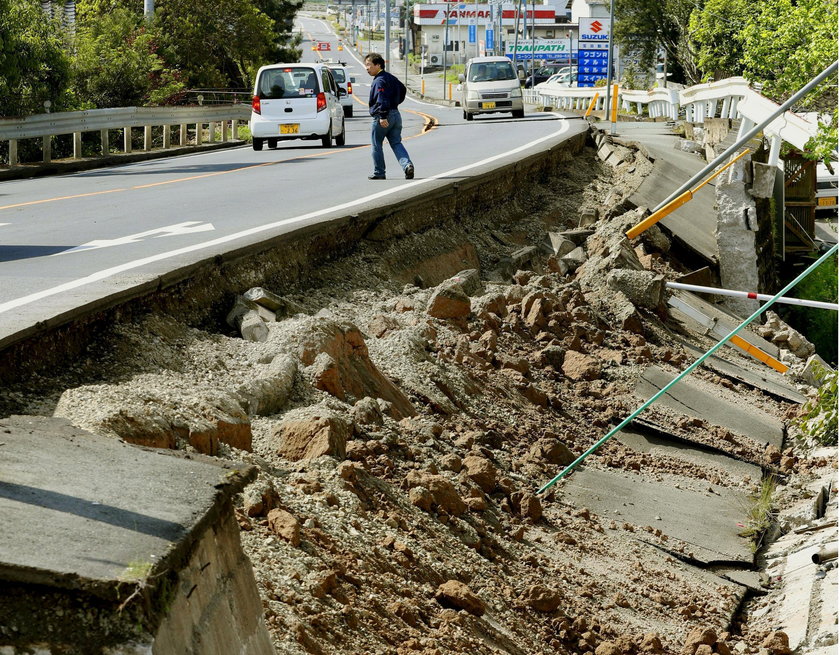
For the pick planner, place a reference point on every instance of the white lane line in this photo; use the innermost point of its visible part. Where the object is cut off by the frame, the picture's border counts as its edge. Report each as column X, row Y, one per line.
column 137, row 263
column 188, row 227
column 2, row 224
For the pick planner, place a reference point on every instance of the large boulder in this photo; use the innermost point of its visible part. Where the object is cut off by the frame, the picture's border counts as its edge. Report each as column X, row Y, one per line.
column 457, row 595
column 348, row 372
column 310, row 432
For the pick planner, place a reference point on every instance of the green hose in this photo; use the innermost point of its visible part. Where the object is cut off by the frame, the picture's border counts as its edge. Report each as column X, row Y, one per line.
column 694, row 365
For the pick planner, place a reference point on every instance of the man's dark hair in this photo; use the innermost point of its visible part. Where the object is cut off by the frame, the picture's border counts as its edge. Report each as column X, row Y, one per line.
column 376, row 59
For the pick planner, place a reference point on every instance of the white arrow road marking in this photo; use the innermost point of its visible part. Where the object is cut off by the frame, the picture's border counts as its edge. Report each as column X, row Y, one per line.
column 187, row 227
column 2, row 224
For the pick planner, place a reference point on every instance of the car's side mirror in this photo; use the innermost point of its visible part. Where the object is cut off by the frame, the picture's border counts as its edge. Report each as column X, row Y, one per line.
column 352, row 80
column 461, row 78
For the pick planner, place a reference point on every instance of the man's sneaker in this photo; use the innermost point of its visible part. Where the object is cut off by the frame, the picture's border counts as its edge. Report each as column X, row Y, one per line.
column 376, row 177
column 409, row 172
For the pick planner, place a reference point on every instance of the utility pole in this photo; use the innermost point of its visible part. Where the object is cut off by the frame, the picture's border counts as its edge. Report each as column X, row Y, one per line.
column 608, row 106
column 149, row 9
column 445, row 44
column 387, row 32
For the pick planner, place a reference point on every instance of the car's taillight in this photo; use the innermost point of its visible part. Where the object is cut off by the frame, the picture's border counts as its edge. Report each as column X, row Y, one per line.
column 255, row 105
column 349, row 88
column 322, row 101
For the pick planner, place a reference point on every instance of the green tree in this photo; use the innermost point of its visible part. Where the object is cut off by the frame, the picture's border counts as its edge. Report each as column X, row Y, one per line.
column 286, row 42
column 214, row 43
column 34, row 65
column 819, row 325
column 116, row 63
column 716, row 29
column 647, row 27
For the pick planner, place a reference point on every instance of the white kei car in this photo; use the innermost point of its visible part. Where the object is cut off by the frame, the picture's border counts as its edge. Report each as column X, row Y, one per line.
column 296, row 101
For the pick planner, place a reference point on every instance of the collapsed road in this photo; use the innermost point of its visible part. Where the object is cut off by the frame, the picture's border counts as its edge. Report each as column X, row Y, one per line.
column 401, row 402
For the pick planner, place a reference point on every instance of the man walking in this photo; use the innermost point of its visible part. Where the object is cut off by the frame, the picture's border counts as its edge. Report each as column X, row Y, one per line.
column 386, row 92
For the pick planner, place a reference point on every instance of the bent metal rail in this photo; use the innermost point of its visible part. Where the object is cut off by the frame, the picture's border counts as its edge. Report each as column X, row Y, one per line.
column 223, row 120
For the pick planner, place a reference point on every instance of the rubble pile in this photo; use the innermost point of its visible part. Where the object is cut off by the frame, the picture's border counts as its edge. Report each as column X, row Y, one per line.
column 401, row 433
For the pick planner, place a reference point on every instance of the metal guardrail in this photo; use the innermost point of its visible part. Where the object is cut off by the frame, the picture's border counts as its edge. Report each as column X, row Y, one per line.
column 730, row 98
column 46, row 126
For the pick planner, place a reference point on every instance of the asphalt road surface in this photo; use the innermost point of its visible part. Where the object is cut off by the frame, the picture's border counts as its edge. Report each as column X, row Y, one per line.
column 68, row 239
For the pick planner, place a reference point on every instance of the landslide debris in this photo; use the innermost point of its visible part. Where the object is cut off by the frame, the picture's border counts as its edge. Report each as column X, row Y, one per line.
column 401, row 431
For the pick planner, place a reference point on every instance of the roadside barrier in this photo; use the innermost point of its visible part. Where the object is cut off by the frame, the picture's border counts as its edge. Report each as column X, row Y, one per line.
column 688, row 370
column 223, row 119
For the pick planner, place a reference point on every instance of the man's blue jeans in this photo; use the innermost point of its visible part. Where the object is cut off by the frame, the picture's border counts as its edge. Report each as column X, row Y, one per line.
column 394, row 135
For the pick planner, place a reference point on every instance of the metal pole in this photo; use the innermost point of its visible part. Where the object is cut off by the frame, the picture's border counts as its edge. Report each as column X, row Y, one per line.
column 733, row 293
column 796, row 97
column 533, row 35
column 516, row 37
column 149, row 9
column 387, row 32
column 445, row 45
column 608, row 107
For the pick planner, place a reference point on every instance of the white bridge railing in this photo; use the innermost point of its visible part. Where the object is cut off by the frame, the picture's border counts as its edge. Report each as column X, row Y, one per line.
column 221, row 119
column 730, row 98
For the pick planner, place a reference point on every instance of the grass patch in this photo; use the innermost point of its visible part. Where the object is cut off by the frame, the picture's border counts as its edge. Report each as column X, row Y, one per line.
column 759, row 512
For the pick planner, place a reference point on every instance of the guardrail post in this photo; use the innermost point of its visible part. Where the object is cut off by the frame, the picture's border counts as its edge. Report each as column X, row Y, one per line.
column 198, row 134
column 127, row 139
column 13, row 153
column 47, row 148
column 182, row 136
column 211, row 132
column 147, row 138
column 225, row 133
column 167, row 136
column 234, row 129
column 103, row 138
column 77, row 145
column 775, row 149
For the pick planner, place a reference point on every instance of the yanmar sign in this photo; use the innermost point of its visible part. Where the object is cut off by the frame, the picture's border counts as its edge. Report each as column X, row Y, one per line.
column 470, row 14
column 595, row 29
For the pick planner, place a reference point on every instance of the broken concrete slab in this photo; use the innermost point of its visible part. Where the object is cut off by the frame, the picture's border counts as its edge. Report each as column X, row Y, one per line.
column 66, row 493
column 759, row 376
column 644, row 441
column 722, row 407
column 722, row 318
column 704, row 524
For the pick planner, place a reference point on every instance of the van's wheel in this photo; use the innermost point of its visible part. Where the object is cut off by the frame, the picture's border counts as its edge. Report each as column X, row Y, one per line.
column 339, row 140
column 468, row 115
column 326, row 140
column 272, row 143
column 348, row 112
column 519, row 113
column 257, row 143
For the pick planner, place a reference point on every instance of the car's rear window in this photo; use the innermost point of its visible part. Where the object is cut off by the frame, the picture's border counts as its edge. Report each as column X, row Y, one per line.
column 276, row 83
column 492, row 71
column 338, row 74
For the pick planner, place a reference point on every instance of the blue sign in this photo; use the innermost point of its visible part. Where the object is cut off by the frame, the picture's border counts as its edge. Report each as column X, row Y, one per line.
column 489, row 39
column 471, row 32
column 593, row 63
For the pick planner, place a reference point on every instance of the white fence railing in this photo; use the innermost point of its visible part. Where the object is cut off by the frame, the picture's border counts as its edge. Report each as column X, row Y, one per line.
column 730, row 98
column 220, row 119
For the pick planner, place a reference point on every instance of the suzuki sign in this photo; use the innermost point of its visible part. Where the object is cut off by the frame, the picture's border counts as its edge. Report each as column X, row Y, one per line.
column 594, row 29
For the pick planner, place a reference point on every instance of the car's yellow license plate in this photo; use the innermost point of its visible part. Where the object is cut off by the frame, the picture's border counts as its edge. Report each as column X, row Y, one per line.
column 827, row 202
column 290, row 128
column 488, row 105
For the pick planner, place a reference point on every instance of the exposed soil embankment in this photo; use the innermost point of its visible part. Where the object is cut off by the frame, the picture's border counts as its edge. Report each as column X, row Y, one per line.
column 442, row 367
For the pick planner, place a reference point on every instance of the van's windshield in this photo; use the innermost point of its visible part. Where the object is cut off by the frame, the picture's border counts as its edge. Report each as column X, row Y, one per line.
column 276, row 83
column 491, row 71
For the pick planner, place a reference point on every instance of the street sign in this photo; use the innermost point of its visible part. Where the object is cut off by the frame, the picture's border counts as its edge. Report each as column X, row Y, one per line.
column 323, row 45
column 471, row 33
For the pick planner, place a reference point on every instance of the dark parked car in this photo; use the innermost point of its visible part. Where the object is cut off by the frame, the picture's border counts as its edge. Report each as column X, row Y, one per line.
column 542, row 73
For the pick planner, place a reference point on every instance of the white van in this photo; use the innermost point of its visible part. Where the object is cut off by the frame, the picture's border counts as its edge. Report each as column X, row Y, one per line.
column 490, row 85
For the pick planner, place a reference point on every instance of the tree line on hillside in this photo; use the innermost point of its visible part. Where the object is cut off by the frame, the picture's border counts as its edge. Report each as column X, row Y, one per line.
column 115, row 57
